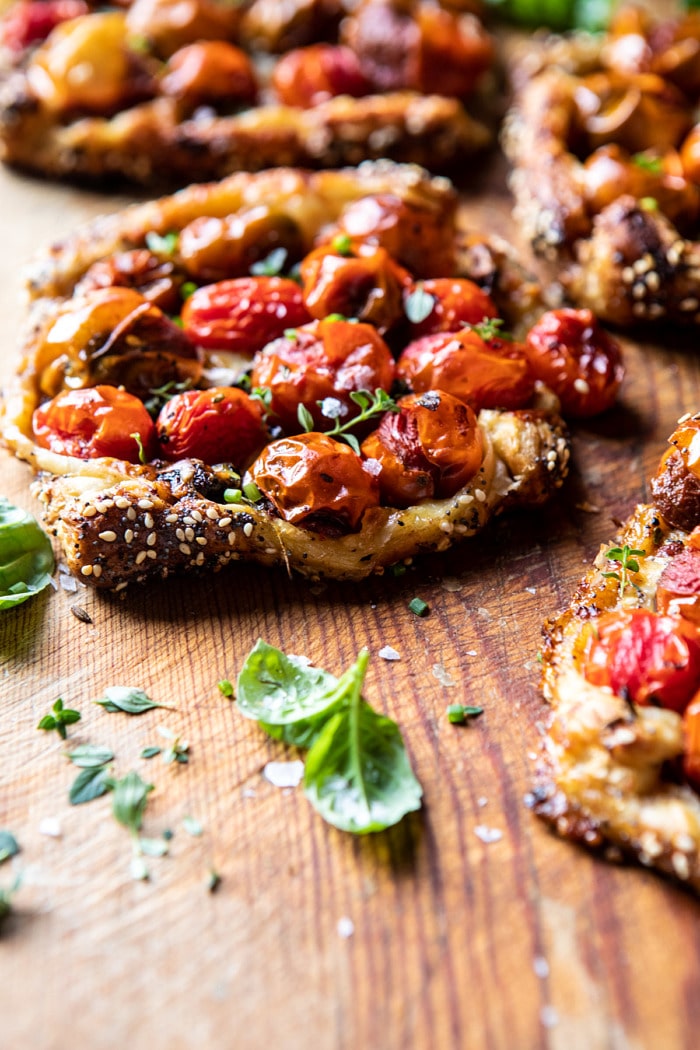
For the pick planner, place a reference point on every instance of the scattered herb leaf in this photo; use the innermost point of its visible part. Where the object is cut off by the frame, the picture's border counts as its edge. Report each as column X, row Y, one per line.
column 162, row 244
column 187, row 289
column 370, row 405
column 26, row 556
column 419, row 607
column 306, row 420
column 626, row 557
column 213, row 881
column 153, row 847
column 419, row 304
column 89, row 756
column 178, row 749
column 192, row 826
column 129, row 801
column 9, row 846
column 458, row 714
column 279, row 689
column 124, row 698
column 342, row 244
column 647, row 162
column 271, row 265
column 91, row 782
column 59, row 718
column 6, row 895
column 492, row 328
column 151, row 752
column 226, row 687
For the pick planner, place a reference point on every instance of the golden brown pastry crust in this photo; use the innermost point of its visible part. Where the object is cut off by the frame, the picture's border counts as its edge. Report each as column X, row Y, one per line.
column 117, row 522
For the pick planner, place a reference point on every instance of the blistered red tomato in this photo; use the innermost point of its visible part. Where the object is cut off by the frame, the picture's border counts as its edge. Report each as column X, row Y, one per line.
column 573, row 355
column 366, row 284
column 678, row 589
column 95, row 421
column 325, row 359
column 210, row 72
column 456, row 302
column 644, row 656
column 243, row 314
column 309, row 75
column 431, row 447
column 218, row 425
column 31, row 21
column 314, row 481
column 483, row 373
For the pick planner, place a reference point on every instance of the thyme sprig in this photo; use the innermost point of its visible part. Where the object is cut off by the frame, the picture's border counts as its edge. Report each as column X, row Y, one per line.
column 626, row 557
column 370, row 404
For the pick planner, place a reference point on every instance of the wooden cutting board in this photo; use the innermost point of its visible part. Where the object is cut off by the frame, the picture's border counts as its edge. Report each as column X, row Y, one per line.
column 426, row 936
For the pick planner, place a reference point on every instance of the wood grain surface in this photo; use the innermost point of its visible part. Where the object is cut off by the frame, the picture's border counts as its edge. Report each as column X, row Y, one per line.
column 421, row 937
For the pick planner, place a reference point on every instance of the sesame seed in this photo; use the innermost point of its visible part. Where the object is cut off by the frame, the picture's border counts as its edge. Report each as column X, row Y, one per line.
column 101, row 506
column 129, row 535
column 581, row 386
column 656, row 310
column 224, row 522
column 232, row 538
column 653, row 281
column 145, row 504
column 642, row 265
column 689, row 304
column 639, row 309
column 151, row 554
column 212, row 513
column 201, row 541
column 171, row 518
column 185, row 549
column 140, row 557
column 180, row 535
column 683, row 841
column 480, row 495
column 97, row 570
column 148, row 521
column 121, row 502
column 639, row 290
column 131, row 514
column 680, row 865
column 197, row 516
column 151, row 539
column 108, row 536
column 628, row 275
column 89, row 512
column 86, row 570
column 188, row 521
column 248, row 528
column 199, row 560
column 189, row 534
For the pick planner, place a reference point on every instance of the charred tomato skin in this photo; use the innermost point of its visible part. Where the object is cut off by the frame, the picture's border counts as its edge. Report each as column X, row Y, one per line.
column 367, row 284
column 95, row 421
column 573, row 355
column 483, row 373
column 430, row 448
column 314, row 481
column 647, row 657
column 244, row 313
column 218, row 425
column 324, row 359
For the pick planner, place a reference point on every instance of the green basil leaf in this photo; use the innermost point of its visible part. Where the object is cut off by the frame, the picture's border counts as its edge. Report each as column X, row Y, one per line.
column 90, row 783
column 130, row 701
column 26, row 556
column 358, row 775
column 129, row 801
column 8, row 845
column 303, row 733
column 279, row 689
column 90, row 756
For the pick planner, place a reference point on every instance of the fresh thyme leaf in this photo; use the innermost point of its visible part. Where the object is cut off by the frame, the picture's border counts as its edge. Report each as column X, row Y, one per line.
column 142, row 451
column 124, row 698
column 626, row 557
column 371, row 405
column 90, row 783
column 419, row 304
column 9, row 846
column 151, row 752
column 648, row 162
column 89, row 756
column 162, row 244
column 306, row 420
column 271, row 265
column 129, row 800
column 226, row 688
column 492, row 328
column 178, row 751
column 458, row 714
column 59, row 718
column 342, row 244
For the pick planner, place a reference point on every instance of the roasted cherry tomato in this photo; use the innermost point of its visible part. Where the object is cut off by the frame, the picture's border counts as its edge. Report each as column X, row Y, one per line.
column 367, row 284
column 213, row 248
column 430, row 448
column 116, row 337
column 325, row 359
column 638, row 111
column 678, row 589
column 456, row 302
column 309, row 75
column 210, row 72
column 685, row 440
column 171, row 24
column 645, row 657
column 150, row 275
column 610, row 172
column 417, row 234
column 31, row 21
column 97, row 421
column 691, row 742
column 315, row 481
column 574, row 356
column 483, row 373
column 243, row 314
column 219, row 425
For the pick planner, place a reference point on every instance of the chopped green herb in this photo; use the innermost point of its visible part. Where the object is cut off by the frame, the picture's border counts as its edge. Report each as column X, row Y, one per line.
column 399, row 569
column 59, row 718
column 129, row 801
column 213, row 881
column 648, row 162
column 371, row 405
column 649, row 204
column 91, row 782
column 187, row 288
column 89, row 756
column 151, row 752
column 290, row 333
column 252, row 492
column 342, row 244
column 162, row 244
column 9, row 846
column 232, row 495
column 419, row 304
column 124, row 698
column 335, row 317
column 178, row 751
column 26, row 556
column 226, row 687
column 419, row 607
column 142, row 451
column 153, row 847
column 271, row 265
column 626, row 557
column 492, row 328
column 458, row 714
column 192, row 826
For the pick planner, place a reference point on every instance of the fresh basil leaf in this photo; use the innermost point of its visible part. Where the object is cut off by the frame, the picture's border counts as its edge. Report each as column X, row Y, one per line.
column 419, row 304
column 357, row 774
column 90, row 756
column 90, row 783
column 26, row 556
column 279, row 689
column 8, row 845
column 130, row 701
column 129, row 801
column 303, row 733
